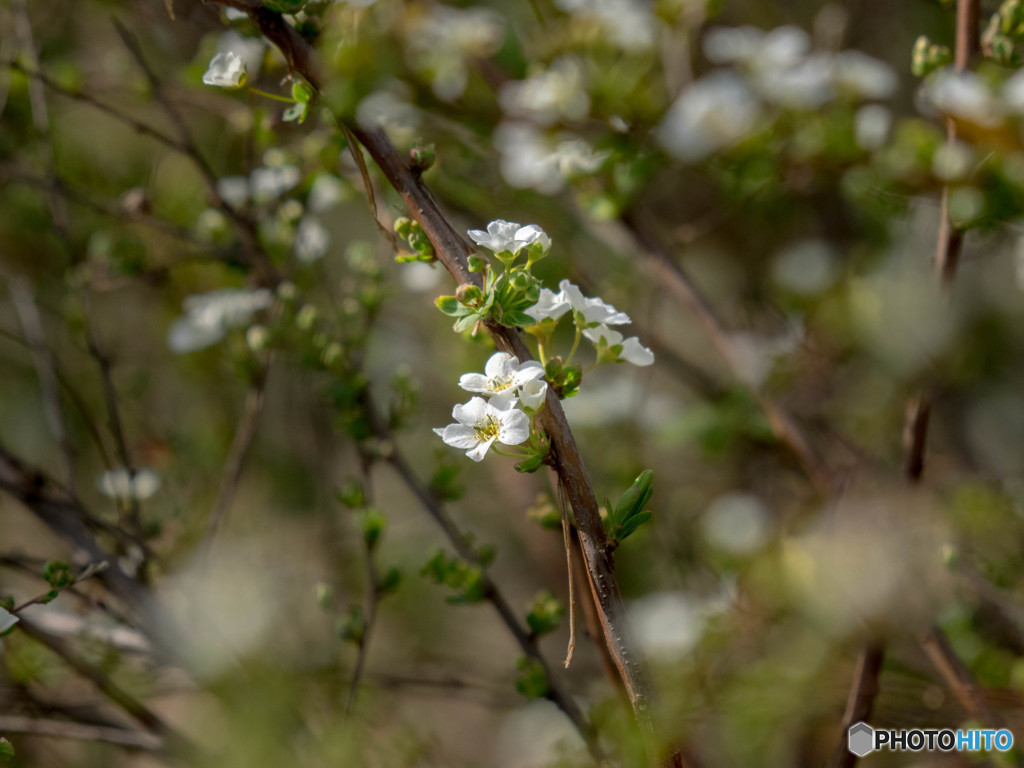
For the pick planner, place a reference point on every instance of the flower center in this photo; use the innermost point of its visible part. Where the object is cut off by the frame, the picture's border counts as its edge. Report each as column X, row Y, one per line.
column 487, row 427
column 501, row 383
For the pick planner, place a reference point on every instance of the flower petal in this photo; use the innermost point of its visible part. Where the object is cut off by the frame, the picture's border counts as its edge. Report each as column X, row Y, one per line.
column 636, row 353
column 473, row 382
column 460, row 436
column 478, row 453
column 471, row 412
column 515, row 427
column 532, row 394
column 500, row 364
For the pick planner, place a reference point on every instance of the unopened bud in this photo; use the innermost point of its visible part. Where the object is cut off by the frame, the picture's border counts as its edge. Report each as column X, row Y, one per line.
column 469, row 294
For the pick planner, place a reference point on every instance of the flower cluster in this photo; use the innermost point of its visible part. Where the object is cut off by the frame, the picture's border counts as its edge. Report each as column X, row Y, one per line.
column 209, row 316
column 516, row 390
column 764, row 72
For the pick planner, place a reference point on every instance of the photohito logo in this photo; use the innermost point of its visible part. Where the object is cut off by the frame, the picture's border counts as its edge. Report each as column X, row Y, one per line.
column 862, row 739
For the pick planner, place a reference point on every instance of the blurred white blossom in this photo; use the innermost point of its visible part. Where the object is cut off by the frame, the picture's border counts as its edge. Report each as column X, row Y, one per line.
column 806, row 267
column 871, row 126
column 311, row 240
column 325, row 193
column 268, row 183
column 119, row 483
column 234, row 190
column 715, row 112
column 964, row 95
column 444, row 41
column 226, row 70
column 628, row 23
column 208, row 317
column 737, row 523
column 556, row 94
column 530, row 159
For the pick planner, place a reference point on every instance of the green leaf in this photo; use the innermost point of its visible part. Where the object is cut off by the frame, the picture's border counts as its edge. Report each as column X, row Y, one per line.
column 58, row 573
column 6, row 751
column 532, row 682
column 351, row 494
column 301, row 92
column 449, row 305
column 531, row 464
column 372, row 524
column 545, row 613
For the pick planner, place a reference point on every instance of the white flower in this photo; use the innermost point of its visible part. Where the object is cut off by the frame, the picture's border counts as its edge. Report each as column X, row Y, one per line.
column 234, row 190
column 550, row 305
column 532, row 394
column 208, row 316
column 713, row 113
column 440, row 44
column 756, row 49
column 7, row 620
column 327, row 191
column 631, row 350
column 121, row 484
column 559, row 93
column 391, row 111
column 502, row 236
column 871, row 125
column 554, row 305
column 311, row 240
column 269, row 183
column 480, row 423
column 964, row 95
column 865, row 75
column 226, row 70
column 503, row 375
column 630, row 24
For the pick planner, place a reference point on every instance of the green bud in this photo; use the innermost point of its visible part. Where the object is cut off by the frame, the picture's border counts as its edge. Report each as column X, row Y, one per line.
column 477, row 263
column 302, row 92
column 545, row 613
column 422, row 156
column 350, row 493
column 372, row 524
column 469, row 294
column 389, row 582
column 532, row 682
column 403, row 226
column 58, row 573
column 6, row 751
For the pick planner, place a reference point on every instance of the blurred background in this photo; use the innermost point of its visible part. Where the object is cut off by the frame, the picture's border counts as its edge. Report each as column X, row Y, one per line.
column 213, row 368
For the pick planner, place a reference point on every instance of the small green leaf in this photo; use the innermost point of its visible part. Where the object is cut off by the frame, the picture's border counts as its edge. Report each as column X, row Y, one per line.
column 532, row 682
column 545, row 613
column 449, row 305
column 372, row 524
column 351, row 494
column 301, row 92
column 531, row 464
column 6, row 751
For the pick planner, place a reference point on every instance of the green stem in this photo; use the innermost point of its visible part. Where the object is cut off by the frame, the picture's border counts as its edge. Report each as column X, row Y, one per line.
column 575, row 346
column 272, row 96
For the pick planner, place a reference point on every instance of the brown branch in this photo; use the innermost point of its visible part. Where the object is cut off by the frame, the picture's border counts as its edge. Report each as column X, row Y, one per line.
column 861, row 701
column 452, row 250
column 527, row 643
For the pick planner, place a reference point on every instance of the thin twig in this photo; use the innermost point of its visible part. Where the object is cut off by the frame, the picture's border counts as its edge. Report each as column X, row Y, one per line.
column 132, row 706
column 42, row 359
column 371, row 592
column 64, row 729
column 235, row 462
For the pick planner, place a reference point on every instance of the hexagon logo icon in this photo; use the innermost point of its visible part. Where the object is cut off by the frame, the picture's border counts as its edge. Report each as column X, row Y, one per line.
column 861, row 739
